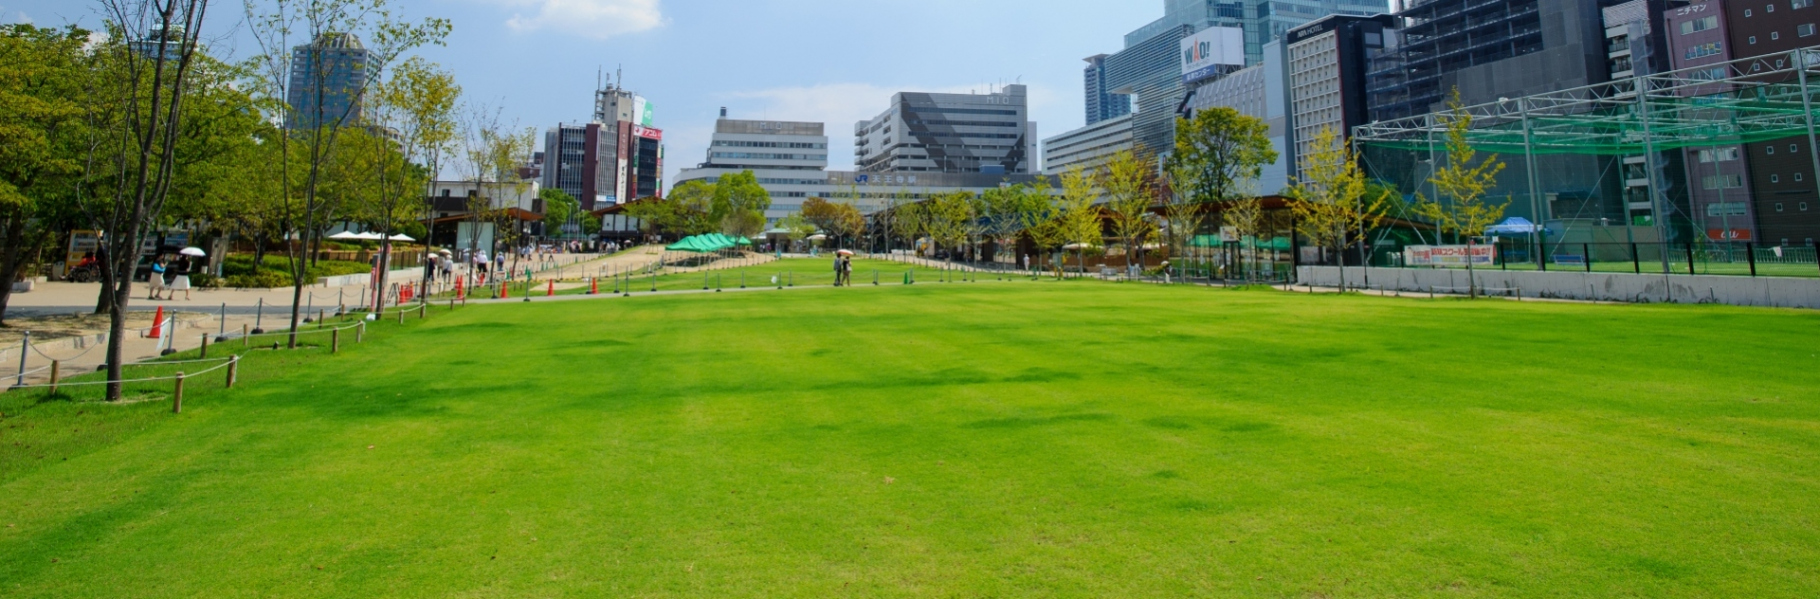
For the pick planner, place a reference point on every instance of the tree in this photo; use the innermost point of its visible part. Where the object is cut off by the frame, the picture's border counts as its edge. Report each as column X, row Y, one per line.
column 558, row 208
column 1221, row 152
column 796, row 227
column 1129, row 180
column 946, row 218
column 1331, row 203
column 1002, row 209
column 1246, row 217
column 148, row 59
column 906, row 221
column 418, row 102
column 1464, row 184
column 40, row 121
column 311, row 129
column 1079, row 220
column 739, row 204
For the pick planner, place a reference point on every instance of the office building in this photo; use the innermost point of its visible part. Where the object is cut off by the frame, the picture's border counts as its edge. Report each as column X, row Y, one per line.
column 1717, row 177
column 1101, row 104
column 1087, row 147
column 618, row 157
column 328, row 76
column 1328, row 61
column 1783, row 172
column 950, row 133
column 1487, row 50
column 1148, row 69
column 790, row 160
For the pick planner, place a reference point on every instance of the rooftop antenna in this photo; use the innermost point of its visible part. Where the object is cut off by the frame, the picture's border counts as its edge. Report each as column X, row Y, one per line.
column 620, row 77
column 598, row 73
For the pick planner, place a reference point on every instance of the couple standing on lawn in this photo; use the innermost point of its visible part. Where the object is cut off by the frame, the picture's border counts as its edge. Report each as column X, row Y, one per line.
column 843, row 270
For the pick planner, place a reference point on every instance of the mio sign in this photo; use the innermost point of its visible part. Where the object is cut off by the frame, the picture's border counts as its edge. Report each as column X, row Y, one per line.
column 1212, row 51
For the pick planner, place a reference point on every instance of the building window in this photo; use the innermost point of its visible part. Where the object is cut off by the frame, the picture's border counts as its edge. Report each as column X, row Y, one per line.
column 1747, row 12
column 1769, row 149
column 1700, row 24
column 1805, row 30
column 1800, row 3
column 1779, row 209
column 1775, row 178
column 1753, row 40
column 1775, row 35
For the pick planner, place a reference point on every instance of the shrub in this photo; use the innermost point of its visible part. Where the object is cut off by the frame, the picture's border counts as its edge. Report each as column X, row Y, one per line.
column 264, row 279
column 203, row 280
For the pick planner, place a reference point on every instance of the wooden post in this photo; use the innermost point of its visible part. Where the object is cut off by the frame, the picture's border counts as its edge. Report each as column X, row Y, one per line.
column 55, row 368
column 205, row 346
column 233, row 370
column 246, row 338
column 177, row 395
column 422, row 309
column 334, row 340
column 401, row 317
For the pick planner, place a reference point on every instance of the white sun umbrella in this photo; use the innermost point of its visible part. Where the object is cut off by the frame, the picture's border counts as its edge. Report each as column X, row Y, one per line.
column 368, row 236
column 345, row 235
column 1077, row 246
column 403, row 237
column 193, row 251
column 817, row 237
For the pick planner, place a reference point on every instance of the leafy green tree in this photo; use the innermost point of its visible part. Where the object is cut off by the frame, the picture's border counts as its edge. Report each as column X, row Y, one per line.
column 1332, row 209
column 558, row 208
column 1220, row 153
column 1463, row 183
column 1080, row 220
column 287, row 24
column 1129, row 180
column 40, row 122
column 418, row 102
column 739, row 204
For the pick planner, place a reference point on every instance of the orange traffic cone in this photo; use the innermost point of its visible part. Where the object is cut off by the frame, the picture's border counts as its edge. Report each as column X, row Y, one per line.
column 460, row 294
column 593, row 286
column 505, row 291
column 552, row 290
column 157, row 325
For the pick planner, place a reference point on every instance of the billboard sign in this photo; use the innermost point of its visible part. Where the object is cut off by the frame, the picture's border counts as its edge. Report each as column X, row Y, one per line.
column 641, row 111
column 1449, row 255
column 1212, row 51
column 647, row 132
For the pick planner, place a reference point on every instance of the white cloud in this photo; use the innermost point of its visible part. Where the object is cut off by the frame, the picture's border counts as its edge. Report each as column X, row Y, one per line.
column 598, row 19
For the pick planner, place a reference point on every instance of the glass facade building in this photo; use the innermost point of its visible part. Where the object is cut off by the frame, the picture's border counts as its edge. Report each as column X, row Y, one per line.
column 1101, row 104
column 328, row 76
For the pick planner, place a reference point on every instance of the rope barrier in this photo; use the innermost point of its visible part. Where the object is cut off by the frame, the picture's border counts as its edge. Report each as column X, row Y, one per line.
column 49, row 357
column 186, row 375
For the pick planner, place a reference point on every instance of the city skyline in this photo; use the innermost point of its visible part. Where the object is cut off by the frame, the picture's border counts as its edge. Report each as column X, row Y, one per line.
column 540, row 60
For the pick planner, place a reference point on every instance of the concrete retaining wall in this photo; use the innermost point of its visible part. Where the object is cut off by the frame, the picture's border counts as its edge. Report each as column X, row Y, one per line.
column 407, row 274
column 1786, row 292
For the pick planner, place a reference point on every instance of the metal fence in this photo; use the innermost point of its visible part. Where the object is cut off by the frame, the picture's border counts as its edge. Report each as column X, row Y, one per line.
column 1745, row 259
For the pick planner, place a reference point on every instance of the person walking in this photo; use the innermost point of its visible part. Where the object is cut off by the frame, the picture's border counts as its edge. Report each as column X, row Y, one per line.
column 846, row 271
column 155, row 283
column 180, row 279
column 837, row 270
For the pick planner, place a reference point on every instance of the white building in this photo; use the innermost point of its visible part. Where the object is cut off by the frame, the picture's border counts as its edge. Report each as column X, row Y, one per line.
column 1256, row 91
column 790, row 160
column 453, row 202
column 1087, row 147
column 950, row 133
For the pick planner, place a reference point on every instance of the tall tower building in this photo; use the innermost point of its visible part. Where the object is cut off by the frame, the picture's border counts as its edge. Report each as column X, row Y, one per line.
column 328, row 76
column 950, row 133
column 1101, row 104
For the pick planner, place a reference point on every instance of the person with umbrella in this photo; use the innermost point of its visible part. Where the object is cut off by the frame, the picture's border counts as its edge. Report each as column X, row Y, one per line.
column 180, row 279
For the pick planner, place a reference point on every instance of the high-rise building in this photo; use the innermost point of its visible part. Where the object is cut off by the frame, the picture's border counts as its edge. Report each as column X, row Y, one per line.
column 1783, row 172
column 616, row 158
column 1101, row 104
column 328, row 76
column 790, row 160
column 1328, row 61
column 950, row 133
column 1718, row 177
column 1148, row 67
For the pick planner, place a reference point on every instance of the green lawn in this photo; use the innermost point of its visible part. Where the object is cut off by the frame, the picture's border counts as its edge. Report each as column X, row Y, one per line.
column 790, row 272
column 1042, row 439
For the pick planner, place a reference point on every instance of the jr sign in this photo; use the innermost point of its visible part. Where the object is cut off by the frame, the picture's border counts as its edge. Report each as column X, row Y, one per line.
column 1448, row 255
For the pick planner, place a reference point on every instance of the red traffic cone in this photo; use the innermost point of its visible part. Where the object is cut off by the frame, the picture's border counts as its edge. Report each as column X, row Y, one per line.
column 505, row 291
column 157, row 325
column 460, row 294
column 552, row 289
column 593, row 286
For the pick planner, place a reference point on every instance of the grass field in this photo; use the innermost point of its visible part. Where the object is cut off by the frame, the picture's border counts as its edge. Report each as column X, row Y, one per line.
column 1042, row 439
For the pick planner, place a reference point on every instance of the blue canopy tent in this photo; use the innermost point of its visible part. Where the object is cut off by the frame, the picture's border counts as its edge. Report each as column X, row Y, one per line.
column 1515, row 225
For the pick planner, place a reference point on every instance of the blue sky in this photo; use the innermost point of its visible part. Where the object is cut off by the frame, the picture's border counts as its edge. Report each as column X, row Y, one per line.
column 833, row 61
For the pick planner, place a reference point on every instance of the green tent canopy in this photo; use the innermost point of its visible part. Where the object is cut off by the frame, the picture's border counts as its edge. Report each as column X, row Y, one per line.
column 711, row 242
